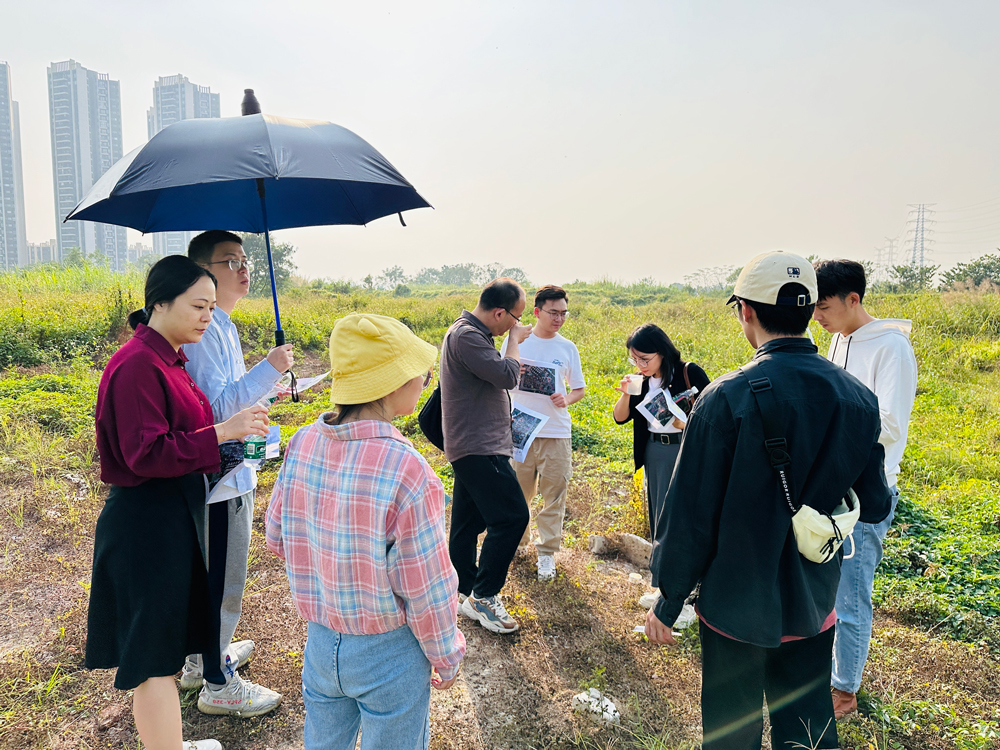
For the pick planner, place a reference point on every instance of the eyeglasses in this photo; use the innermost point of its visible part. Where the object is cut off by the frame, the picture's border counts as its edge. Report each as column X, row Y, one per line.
column 641, row 361
column 515, row 317
column 234, row 264
column 557, row 314
column 428, row 378
column 735, row 307
column 294, row 386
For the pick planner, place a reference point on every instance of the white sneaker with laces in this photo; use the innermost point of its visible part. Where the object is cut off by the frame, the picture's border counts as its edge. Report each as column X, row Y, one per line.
column 490, row 613
column 239, row 698
column 239, row 652
column 201, row 745
column 546, row 567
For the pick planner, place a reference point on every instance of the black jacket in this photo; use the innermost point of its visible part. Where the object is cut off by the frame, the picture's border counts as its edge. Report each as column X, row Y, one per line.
column 729, row 525
column 640, row 427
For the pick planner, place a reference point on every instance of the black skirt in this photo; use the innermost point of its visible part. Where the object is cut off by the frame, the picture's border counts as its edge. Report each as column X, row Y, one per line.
column 149, row 596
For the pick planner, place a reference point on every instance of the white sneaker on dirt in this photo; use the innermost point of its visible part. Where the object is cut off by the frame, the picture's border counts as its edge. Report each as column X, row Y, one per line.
column 202, row 745
column 648, row 601
column 490, row 613
column 238, row 698
column 239, row 652
column 546, row 567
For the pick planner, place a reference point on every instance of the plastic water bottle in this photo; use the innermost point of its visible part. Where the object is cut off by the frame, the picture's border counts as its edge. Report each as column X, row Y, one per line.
column 255, row 446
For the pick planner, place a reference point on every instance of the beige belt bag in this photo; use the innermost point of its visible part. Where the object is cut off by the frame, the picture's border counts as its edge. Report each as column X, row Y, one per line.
column 819, row 535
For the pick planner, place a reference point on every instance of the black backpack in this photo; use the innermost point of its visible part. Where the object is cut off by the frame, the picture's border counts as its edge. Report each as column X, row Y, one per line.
column 429, row 419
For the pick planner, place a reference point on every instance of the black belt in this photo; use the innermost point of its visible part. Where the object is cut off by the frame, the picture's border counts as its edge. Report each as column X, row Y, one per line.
column 667, row 438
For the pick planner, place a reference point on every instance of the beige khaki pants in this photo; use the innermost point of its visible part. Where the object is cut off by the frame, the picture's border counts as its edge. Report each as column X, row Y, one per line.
column 546, row 471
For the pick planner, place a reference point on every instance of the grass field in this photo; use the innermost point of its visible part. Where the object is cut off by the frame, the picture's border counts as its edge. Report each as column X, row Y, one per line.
column 934, row 679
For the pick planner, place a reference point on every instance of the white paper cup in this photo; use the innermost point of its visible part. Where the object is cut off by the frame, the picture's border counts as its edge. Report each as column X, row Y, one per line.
column 634, row 385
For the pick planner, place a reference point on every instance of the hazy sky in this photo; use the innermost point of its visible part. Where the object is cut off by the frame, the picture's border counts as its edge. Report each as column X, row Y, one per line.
column 580, row 139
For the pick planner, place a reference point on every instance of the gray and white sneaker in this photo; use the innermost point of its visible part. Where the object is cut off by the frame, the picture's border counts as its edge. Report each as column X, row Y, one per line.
column 490, row 613
column 239, row 652
column 238, row 698
column 201, row 745
column 546, row 567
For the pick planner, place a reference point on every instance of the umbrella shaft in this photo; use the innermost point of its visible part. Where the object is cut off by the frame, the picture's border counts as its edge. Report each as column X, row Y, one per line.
column 279, row 335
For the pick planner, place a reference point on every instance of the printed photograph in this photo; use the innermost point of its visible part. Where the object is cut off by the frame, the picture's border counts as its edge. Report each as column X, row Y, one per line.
column 522, row 425
column 537, row 378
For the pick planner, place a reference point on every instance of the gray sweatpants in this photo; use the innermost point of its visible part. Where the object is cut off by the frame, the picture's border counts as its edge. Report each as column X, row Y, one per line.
column 240, row 525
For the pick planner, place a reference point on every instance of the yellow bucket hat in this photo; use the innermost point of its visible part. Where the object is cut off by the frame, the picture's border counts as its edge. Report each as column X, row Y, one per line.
column 373, row 355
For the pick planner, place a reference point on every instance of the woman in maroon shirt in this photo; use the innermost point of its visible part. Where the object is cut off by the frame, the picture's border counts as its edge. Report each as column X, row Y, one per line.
column 149, row 600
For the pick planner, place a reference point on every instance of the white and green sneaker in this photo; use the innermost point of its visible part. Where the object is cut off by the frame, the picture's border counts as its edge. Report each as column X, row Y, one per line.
column 238, row 697
column 490, row 613
column 201, row 745
column 240, row 652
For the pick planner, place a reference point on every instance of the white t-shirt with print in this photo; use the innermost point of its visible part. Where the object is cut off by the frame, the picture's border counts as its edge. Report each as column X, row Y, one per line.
column 563, row 353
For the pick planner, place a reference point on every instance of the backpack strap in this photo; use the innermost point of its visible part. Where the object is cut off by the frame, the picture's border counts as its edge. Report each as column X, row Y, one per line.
column 687, row 379
column 775, row 444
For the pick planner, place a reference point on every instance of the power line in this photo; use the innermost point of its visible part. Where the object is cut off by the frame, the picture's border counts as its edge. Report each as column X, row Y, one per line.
column 922, row 235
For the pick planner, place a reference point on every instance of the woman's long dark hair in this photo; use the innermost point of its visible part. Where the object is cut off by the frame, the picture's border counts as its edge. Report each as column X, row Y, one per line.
column 650, row 339
column 167, row 280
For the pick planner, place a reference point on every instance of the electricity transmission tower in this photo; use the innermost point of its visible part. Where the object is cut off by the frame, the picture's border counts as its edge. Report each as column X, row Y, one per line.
column 921, row 234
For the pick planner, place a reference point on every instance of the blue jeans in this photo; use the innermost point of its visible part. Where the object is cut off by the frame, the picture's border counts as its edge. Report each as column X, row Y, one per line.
column 854, row 601
column 380, row 684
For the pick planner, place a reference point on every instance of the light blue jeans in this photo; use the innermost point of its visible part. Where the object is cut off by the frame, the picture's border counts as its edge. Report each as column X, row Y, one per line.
column 854, row 601
column 380, row 684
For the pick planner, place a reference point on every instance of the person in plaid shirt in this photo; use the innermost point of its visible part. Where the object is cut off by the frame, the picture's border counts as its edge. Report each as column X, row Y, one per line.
column 358, row 517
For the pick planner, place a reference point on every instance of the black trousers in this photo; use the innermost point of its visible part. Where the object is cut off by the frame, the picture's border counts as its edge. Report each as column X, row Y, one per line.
column 795, row 678
column 487, row 497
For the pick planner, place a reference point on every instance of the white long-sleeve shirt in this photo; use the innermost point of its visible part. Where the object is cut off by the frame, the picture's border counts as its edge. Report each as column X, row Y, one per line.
column 216, row 365
column 879, row 354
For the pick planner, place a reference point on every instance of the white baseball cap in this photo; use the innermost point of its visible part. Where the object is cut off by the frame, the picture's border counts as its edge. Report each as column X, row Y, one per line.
column 762, row 278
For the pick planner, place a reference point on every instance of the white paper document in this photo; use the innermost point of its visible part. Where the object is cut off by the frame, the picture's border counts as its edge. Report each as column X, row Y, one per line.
column 659, row 406
column 222, row 490
column 301, row 385
column 525, row 424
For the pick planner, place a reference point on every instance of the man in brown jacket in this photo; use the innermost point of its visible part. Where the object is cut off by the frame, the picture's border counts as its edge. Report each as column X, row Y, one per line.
column 475, row 414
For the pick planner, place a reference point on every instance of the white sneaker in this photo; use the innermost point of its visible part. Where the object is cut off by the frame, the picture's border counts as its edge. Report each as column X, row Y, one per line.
column 202, row 745
column 546, row 567
column 490, row 613
column 191, row 675
column 648, row 601
column 239, row 697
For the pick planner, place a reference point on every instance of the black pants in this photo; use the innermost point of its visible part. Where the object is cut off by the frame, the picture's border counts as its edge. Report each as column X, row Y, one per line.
column 487, row 497
column 795, row 678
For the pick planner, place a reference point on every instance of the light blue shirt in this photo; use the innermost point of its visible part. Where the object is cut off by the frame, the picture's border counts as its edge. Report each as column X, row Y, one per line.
column 216, row 365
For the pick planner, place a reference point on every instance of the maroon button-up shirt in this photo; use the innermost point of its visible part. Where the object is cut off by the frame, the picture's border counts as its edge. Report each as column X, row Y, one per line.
column 152, row 420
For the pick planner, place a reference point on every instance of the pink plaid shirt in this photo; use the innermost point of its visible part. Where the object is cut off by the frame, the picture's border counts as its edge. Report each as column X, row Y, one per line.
column 358, row 517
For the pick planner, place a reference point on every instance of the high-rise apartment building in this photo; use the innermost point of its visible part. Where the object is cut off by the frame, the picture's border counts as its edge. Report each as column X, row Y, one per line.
column 85, row 119
column 175, row 98
column 13, row 242
column 42, row 252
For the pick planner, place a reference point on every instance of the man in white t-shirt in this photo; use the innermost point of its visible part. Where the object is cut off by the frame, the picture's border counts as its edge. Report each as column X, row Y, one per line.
column 549, row 362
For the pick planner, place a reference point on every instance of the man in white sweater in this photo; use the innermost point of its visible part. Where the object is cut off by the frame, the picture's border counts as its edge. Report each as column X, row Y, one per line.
column 879, row 354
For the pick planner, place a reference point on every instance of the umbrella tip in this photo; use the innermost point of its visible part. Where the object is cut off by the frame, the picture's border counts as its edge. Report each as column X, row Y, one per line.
column 250, row 105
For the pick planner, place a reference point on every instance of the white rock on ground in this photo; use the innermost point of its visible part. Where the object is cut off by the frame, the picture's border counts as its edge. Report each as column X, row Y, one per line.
column 597, row 544
column 637, row 550
column 593, row 701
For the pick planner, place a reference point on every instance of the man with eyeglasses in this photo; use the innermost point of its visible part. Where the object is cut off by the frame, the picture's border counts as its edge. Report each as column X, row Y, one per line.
column 216, row 365
column 476, row 421
column 548, row 466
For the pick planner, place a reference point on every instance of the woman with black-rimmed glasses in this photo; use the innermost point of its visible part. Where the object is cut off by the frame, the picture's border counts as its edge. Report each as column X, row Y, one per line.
column 655, row 446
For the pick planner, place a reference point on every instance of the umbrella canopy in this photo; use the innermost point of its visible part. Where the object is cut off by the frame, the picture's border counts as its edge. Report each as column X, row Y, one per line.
column 251, row 174
column 203, row 173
